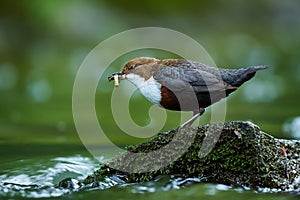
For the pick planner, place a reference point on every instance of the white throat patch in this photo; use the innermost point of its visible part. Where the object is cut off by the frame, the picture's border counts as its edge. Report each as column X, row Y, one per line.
column 150, row 88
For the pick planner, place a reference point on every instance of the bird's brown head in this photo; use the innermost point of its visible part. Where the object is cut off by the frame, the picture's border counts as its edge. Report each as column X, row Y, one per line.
column 143, row 66
column 137, row 69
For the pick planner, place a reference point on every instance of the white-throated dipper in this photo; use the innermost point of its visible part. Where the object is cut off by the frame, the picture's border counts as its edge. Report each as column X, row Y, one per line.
column 183, row 85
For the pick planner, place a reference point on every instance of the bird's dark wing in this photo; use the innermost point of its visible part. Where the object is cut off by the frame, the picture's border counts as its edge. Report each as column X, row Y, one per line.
column 186, row 79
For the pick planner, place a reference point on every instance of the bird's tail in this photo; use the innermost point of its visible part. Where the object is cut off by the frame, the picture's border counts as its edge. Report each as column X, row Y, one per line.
column 244, row 74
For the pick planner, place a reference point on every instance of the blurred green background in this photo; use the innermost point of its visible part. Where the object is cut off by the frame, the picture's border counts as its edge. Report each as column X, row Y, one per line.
column 42, row 44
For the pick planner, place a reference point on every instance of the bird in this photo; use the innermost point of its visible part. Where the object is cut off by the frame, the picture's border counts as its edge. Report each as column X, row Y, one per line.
column 181, row 84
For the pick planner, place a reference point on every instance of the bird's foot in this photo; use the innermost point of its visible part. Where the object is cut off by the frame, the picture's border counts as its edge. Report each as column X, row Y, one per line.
column 189, row 122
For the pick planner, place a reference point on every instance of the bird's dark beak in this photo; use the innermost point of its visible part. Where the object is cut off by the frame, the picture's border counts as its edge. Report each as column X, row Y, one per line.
column 118, row 74
column 117, row 77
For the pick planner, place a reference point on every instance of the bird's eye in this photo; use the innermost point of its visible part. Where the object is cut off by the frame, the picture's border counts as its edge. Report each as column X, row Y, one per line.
column 131, row 67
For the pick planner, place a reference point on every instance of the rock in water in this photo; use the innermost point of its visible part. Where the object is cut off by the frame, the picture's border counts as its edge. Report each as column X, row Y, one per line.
column 242, row 155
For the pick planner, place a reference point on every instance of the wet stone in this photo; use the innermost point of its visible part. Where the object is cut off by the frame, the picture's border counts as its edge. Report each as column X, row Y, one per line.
column 233, row 153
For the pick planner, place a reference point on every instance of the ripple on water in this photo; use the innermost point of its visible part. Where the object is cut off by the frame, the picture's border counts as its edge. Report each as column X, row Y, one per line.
column 39, row 180
column 42, row 181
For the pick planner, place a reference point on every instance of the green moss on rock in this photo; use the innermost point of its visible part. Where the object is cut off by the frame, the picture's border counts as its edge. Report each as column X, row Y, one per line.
column 235, row 153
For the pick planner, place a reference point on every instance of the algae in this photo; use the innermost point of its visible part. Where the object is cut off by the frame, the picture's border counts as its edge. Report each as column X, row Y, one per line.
column 242, row 155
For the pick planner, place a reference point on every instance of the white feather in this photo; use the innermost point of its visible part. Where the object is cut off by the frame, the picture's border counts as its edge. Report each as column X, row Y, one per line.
column 150, row 88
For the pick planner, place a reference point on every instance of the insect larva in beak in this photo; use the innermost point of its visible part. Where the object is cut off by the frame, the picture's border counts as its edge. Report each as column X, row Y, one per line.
column 116, row 79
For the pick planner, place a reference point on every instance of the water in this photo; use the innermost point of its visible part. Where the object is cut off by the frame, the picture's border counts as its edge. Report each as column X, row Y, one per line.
column 39, row 177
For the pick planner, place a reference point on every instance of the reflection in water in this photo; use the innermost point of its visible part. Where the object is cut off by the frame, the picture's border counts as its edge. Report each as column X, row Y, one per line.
column 292, row 127
column 214, row 189
column 163, row 183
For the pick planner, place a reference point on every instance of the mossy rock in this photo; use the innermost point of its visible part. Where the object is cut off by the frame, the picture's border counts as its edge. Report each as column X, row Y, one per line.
column 234, row 153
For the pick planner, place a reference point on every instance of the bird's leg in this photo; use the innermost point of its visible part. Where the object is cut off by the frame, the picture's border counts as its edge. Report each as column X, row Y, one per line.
column 192, row 119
